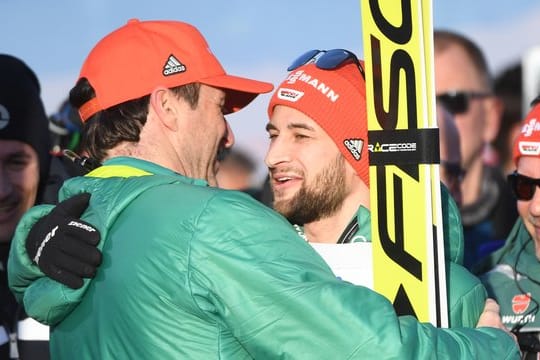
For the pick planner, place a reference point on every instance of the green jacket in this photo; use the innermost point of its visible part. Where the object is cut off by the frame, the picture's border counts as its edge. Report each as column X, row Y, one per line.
column 195, row 272
column 509, row 288
column 466, row 295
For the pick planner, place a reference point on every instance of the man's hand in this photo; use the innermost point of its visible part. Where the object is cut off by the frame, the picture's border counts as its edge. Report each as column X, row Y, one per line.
column 63, row 246
column 491, row 317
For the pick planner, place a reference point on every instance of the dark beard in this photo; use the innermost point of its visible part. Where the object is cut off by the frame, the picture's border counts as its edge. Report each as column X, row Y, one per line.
column 318, row 200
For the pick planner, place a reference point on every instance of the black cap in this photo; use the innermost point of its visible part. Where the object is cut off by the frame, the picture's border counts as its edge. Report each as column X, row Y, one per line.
column 22, row 114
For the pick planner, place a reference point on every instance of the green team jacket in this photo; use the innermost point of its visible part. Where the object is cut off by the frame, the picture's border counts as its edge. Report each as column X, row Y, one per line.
column 195, row 272
column 466, row 295
column 502, row 283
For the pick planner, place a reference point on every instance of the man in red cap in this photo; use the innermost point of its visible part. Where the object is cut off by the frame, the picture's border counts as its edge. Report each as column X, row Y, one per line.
column 192, row 271
column 512, row 274
column 318, row 162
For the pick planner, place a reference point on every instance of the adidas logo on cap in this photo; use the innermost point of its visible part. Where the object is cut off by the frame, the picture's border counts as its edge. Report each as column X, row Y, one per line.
column 173, row 66
column 355, row 147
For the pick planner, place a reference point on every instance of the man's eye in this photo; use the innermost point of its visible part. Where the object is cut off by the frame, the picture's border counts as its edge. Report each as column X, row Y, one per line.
column 17, row 163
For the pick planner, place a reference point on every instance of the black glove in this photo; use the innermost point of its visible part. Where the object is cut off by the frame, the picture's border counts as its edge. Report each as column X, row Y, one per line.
column 63, row 246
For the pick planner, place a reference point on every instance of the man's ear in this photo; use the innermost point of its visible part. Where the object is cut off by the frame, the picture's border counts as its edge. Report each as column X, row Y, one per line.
column 162, row 102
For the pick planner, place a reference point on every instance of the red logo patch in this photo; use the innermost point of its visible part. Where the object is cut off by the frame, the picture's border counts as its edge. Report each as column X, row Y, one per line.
column 520, row 303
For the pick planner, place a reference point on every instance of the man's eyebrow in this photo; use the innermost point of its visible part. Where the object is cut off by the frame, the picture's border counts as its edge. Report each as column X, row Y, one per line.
column 304, row 126
column 300, row 126
column 270, row 126
column 18, row 154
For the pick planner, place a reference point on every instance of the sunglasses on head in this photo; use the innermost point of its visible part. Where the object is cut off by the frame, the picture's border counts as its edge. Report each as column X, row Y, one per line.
column 523, row 186
column 326, row 59
column 457, row 102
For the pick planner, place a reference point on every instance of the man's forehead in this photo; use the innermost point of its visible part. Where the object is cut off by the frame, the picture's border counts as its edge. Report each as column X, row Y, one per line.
column 287, row 117
column 527, row 163
column 15, row 147
column 455, row 70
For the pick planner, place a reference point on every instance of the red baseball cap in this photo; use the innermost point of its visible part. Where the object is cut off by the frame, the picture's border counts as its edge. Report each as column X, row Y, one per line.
column 527, row 142
column 133, row 60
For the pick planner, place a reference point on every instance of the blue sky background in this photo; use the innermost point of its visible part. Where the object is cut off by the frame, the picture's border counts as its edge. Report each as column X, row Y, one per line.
column 252, row 38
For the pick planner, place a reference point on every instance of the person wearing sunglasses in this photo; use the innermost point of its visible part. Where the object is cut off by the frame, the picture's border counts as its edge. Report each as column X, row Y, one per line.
column 463, row 86
column 512, row 273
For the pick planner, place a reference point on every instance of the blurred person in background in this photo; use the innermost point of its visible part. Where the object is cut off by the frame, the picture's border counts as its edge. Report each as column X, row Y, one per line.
column 451, row 172
column 65, row 133
column 236, row 171
column 508, row 87
column 464, row 87
column 24, row 167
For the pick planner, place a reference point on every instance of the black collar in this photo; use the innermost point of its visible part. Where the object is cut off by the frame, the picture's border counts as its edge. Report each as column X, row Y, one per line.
column 349, row 232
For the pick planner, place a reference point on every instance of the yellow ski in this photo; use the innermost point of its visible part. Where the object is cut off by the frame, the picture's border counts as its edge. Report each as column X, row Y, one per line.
column 408, row 248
